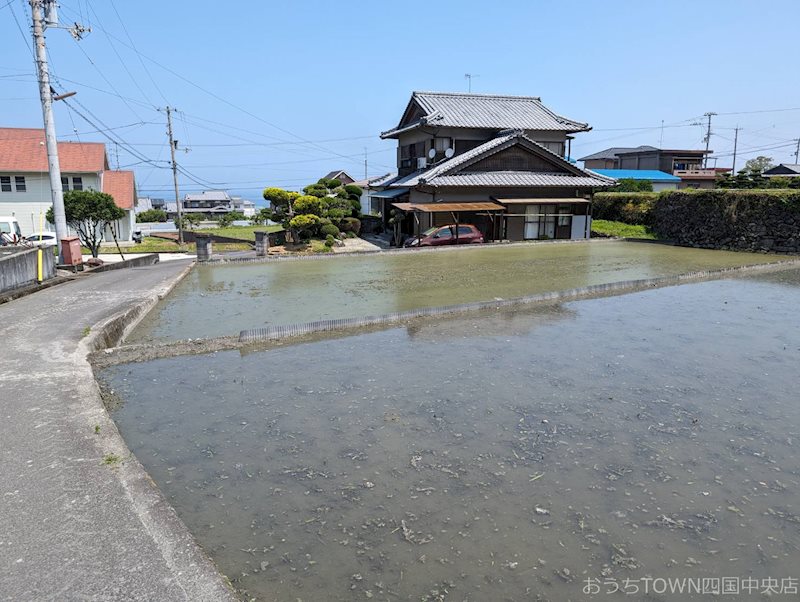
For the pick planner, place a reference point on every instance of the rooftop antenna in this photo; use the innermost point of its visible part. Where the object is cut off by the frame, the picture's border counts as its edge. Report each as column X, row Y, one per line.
column 468, row 77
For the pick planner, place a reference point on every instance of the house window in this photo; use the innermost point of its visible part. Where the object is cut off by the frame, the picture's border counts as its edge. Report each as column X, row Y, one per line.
column 442, row 144
column 539, row 223
column 5, row 183
column 77, row 183
column 64, row 183
column 555, row 147
column 19, row 182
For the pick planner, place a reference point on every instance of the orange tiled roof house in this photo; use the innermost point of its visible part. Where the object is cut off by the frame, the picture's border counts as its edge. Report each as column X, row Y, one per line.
column 25, row 183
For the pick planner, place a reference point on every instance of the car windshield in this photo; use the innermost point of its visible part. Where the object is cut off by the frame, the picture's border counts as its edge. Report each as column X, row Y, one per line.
column 5, row 227
column 429, row 231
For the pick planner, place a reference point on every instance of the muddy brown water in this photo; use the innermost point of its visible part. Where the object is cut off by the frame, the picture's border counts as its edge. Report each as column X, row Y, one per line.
column 509, row 456
column 221, row 300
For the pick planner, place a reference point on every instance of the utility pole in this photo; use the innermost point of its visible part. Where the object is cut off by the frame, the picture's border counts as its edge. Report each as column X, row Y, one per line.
column 708, row 136
column 661, row 139
column 735, row 146
column 172, row 144
column 45, row 95
column 797, row 152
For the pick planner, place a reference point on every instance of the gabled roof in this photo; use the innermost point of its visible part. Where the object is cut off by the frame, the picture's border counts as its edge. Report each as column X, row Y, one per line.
column 335, row 175
column 783, row 168
column 485, row 111
column 611, row 153
column 653, row 175
column 23, row 150
column 670, row 151
column 208, row 195
column 121, row 186
column 383, row 180
column 449, row 172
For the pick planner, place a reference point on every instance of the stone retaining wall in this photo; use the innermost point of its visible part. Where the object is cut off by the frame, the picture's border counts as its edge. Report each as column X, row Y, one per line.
column 743, row 220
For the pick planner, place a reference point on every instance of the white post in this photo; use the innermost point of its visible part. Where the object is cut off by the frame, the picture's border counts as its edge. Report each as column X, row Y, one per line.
column 46, row 97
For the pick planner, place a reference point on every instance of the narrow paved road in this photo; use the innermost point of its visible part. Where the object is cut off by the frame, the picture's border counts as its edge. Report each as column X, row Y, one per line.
column 79, row 517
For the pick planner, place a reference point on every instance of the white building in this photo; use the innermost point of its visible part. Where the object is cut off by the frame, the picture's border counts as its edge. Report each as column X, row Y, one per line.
column 25, row 180
column 217, row 202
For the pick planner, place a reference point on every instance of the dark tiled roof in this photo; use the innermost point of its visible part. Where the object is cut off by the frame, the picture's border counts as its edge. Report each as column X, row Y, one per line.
column 487, row 111
column 448, row 173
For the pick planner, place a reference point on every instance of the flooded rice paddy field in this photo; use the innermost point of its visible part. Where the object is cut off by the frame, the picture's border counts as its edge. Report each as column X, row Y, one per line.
column 505, row 456
column 221, row 300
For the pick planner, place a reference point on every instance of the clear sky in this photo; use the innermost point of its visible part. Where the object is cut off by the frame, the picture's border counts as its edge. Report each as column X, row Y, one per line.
column 280, row 93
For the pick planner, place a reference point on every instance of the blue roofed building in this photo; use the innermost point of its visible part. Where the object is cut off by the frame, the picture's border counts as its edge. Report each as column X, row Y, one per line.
column 661, row 180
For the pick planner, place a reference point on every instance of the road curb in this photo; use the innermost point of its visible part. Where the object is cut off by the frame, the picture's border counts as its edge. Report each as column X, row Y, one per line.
column 191, row 568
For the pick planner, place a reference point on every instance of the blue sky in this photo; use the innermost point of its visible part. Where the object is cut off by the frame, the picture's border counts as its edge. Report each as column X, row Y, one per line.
column 280, row 93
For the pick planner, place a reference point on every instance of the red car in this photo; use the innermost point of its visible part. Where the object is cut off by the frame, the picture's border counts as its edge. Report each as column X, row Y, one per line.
column 446, row 235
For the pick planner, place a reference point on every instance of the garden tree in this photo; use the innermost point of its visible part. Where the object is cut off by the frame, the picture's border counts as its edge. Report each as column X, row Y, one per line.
column 759, row 164
column 261, row 217
column 152, row 215
column 304, row 224
column 282, row 210
column 746, row 179
column 632, row 185
column 190, row 220
column 325, row 205
column 309, row 204
column 226, row 219
column 88, row 212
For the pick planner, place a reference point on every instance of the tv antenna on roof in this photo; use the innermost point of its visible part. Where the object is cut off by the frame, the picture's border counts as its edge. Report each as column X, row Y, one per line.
column 468, row 77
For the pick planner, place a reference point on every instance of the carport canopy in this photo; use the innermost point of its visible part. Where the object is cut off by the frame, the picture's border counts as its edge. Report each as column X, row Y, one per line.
column 542, row 201
column 448, row 207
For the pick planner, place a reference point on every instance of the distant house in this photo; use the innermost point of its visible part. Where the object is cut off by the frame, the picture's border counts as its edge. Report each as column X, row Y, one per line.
column 685, row 164
column 146, row 203
column 340, row 175
column 646, row 157
column 490, row 160
column 608, row 158
column 701, row 178
column 371, row 204
column 25, row 182
column 786, row 170
column 214, row 203
column 660, row 180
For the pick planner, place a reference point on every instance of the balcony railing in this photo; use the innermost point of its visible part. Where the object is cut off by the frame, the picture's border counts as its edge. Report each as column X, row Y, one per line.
column 695, row 173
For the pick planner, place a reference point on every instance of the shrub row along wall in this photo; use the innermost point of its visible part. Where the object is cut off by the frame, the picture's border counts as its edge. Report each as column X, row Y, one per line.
column 746, row 220
column 627, row 207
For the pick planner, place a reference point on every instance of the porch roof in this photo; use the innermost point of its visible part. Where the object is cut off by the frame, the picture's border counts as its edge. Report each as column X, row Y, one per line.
column 569, row 200
column 389, row 194
column 448, row 207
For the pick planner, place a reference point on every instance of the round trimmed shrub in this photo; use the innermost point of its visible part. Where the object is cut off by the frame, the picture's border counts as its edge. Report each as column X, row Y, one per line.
column 351, row 224
column 329, row 230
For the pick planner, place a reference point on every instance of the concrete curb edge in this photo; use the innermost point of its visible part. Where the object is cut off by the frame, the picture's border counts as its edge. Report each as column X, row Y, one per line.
column 193, row 571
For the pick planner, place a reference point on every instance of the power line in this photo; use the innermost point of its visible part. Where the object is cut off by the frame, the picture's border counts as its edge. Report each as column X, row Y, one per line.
column 138, row 55
column 224, row 100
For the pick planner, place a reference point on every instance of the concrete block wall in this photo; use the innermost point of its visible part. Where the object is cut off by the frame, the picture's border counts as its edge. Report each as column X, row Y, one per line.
column 18, row 267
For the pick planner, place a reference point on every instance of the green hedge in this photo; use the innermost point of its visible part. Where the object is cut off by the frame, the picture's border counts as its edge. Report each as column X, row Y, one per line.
column 627, row 207
column 638, row 208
